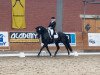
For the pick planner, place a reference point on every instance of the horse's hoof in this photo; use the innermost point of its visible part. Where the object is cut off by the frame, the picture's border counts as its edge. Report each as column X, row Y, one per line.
column 38, row 55
column 69, row 55
column 51, row 56
column 54, row 55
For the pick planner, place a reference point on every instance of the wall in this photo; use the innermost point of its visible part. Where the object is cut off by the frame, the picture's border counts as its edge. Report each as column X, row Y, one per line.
column 39, row 12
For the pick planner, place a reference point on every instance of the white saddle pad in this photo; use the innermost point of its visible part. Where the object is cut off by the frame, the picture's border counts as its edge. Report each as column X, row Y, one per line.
column 56, row 36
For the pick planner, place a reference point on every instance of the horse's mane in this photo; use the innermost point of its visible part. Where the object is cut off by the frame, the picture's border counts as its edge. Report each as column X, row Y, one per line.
column 43, row 28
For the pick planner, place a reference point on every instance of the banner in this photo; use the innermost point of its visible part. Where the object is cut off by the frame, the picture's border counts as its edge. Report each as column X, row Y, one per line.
column 20, row 37
column 18, row 14
column 4, row 39
column 94, row 39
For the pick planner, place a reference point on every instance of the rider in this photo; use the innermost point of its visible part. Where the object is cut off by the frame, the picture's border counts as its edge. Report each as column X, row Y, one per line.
column 52, row 25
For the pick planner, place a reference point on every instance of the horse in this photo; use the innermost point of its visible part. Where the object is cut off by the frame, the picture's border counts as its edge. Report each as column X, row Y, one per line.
column 45, row 38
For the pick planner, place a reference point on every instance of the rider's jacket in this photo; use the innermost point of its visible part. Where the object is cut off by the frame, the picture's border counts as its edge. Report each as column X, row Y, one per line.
column 52, row 25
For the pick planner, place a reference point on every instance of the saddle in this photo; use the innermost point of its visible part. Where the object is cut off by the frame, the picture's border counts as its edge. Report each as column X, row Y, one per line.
column 51, row 33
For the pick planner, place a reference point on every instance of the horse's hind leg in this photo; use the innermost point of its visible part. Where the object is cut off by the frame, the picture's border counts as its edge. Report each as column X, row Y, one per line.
column 57, row 45
column 67, row 49
column 41, row 50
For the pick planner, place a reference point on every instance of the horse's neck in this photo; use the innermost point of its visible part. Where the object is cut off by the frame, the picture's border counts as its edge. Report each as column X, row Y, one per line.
column 45, row 34
column 45, row 31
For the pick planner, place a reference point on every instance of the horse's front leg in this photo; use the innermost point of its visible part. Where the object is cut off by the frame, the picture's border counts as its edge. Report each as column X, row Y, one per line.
column 41, row 50
column 48, row 50
column 57, row 45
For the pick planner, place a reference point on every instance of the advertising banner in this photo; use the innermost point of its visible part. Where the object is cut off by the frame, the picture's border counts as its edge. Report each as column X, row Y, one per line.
column 23, row 37
column 4, row 39
column 94, row 39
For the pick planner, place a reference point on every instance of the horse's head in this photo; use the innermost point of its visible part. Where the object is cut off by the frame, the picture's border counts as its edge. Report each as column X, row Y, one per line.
column 40, row 30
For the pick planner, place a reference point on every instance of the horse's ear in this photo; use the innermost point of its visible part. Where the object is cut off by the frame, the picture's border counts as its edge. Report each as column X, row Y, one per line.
column 36, row 28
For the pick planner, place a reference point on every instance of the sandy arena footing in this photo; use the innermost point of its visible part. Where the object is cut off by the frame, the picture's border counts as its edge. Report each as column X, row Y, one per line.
column 60, row 65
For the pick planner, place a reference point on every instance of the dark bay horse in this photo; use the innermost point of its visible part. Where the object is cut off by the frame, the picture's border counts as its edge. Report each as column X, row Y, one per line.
column 45, row 38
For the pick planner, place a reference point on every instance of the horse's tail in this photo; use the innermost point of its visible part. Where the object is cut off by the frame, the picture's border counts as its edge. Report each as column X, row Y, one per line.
column 70, row 48
column 68, row 44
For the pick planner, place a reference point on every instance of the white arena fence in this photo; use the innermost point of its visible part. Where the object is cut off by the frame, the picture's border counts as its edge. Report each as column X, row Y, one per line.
column 44, row 53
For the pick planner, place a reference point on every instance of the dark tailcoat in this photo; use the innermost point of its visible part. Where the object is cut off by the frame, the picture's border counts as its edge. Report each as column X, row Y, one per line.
column 52, row 25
